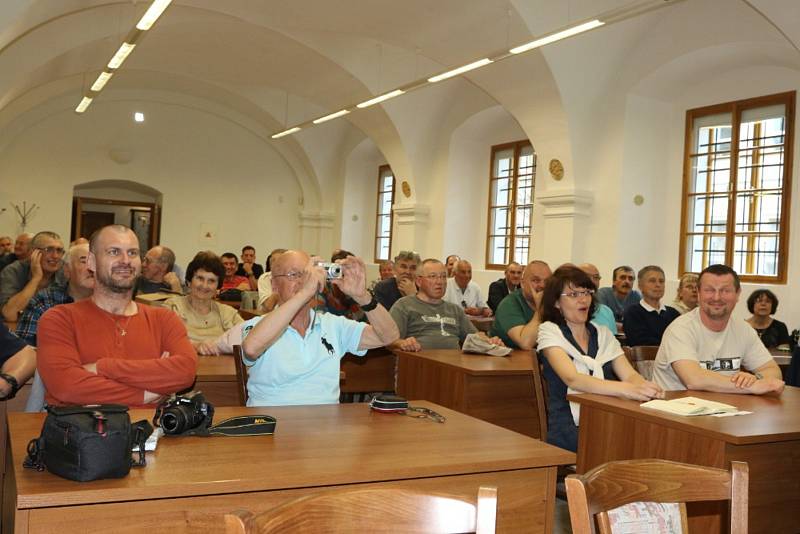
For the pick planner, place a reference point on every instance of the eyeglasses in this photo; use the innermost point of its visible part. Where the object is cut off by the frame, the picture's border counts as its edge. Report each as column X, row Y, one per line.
column 291, row 276
column 578, row 294
column 435, row 277
column 58, row 251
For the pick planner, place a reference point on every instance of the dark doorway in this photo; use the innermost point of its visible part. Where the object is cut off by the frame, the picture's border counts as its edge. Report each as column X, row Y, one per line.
column 93, row 220
column 89, row 214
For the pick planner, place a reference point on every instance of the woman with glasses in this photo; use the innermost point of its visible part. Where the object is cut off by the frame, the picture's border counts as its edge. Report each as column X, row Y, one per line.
column 205, row 319
column 580, row 357
column 762, row 304
column 686, row 299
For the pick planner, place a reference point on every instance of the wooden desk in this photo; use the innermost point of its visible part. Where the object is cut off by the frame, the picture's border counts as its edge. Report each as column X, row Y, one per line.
column 315, row 448
column 497, row 389
column 481, row 323
column 373, row 372
column 768, row 440
column 216, row 378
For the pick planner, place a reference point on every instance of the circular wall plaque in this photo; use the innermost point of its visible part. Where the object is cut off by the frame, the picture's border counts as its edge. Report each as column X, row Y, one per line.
column 406, row 189
column 638, row 200
column 556, row 169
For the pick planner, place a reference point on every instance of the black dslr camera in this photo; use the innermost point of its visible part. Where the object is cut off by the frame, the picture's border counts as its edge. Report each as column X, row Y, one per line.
column 185, row 414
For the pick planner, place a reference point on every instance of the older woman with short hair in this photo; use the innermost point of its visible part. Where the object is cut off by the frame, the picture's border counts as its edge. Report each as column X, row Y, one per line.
column 579, row 356
column 205, row 319
column 686, row 299
column 762, row 304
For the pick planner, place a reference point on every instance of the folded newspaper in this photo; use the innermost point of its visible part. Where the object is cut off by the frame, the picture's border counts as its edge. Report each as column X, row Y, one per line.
column 690, row 406
column 477, row 344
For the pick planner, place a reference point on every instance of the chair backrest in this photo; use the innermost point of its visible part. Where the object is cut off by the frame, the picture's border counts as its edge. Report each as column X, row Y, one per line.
column 540, row 391
column 373, row 510
column 241, row 375
column 642, row 358
column 615, row 484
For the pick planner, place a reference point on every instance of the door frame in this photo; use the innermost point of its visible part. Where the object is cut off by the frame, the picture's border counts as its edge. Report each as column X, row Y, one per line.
column 155, row 215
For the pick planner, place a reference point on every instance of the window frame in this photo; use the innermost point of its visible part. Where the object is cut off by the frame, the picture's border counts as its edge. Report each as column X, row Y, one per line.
column 517, row 146
column 736, row 108
column 378, row 214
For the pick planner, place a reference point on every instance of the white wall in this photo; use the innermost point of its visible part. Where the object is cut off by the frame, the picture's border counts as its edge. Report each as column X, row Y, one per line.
column 359, row 199
column 214, row 175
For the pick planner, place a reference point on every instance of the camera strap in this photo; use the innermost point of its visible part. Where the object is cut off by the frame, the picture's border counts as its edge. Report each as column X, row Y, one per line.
column 244, row 425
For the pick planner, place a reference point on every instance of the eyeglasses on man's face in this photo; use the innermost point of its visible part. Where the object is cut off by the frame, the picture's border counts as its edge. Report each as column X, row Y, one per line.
column 58, row 251
column 291, row 275
column 578, row 294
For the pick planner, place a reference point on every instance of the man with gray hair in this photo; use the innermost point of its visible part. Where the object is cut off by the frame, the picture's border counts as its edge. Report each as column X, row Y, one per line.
column 389, row 291
column 6, row 245
column 157, row 272
column 20, row 281
column 646, row 322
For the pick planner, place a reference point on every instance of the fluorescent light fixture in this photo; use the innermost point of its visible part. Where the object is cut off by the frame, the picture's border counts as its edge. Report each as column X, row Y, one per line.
column 286, row 132
column 378, row 99
column 331, row 116
column 460, row 70
column 151, row 15
column 101, row 81
column 569, row 32
column 138, row 116
column 83, row 105
column 122, row 53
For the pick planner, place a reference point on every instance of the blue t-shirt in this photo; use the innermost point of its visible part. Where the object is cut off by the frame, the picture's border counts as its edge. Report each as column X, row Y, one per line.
column 302, row 370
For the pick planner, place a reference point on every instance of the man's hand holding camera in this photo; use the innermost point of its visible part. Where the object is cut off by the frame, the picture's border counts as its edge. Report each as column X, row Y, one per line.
column 353, row 281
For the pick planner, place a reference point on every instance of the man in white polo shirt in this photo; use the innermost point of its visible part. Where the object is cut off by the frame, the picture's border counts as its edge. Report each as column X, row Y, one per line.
column 294, row 352
column 705, row 350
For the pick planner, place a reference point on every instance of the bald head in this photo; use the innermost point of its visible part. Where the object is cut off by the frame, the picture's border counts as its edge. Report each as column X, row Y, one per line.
column 462, row 272
column 288, row 258
column 592, row 271
column 534, row 277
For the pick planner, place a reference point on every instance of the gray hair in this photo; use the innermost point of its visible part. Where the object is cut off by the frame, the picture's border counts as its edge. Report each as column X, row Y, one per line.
column 37, row 240
column 408, row 255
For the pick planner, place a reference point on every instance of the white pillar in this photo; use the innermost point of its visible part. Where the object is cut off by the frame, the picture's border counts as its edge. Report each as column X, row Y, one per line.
column 316, row 232
column 566, row 215
column 410, row 227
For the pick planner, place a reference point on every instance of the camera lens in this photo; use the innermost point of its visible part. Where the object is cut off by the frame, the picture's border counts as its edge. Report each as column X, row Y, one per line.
column 173, row 421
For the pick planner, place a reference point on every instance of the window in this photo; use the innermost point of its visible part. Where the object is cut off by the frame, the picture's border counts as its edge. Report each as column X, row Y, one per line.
column 737, row 179
column 511, row 183
column 383, row 217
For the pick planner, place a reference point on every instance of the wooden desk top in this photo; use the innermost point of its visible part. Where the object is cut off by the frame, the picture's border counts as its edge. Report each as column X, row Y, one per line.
column 518, row 362
column 216, row 368
column 312, row 446
column 773, row 418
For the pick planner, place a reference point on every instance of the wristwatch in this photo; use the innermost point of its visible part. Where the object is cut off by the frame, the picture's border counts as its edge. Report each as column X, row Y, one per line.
column 11, row 382
column 759, row 376
column 369, row 306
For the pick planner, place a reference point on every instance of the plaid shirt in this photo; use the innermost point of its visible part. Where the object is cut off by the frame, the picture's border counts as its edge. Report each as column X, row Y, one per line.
column 40, row 303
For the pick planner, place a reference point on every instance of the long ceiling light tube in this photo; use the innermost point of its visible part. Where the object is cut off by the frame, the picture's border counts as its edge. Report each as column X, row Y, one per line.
column 151, row 15
column 332, row 116
column 379, row 99
column 563, row 34
column 460, row 70
column 156, row 9
column 286, row 132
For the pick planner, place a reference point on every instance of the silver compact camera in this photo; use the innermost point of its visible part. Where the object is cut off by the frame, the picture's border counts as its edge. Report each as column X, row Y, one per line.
column 332, row 270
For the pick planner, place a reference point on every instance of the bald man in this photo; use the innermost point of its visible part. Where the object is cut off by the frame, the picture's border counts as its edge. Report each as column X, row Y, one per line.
column 603, row 316
column 294, row 352
column 21, row 250
column 157, row 273
column 462, row 291
column 107, row 348
column 518, row 318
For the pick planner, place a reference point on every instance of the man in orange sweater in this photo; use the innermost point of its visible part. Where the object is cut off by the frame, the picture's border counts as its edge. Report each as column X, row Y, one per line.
column 109, row 349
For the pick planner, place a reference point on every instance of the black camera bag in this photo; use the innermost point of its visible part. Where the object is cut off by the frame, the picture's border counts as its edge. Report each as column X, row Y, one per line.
column 88, row 442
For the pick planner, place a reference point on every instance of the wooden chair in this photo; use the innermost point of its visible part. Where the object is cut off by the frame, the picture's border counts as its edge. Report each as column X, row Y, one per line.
column 373, row 510
column 241, row 375
column 614, row 484
column 642, row 358
column 540, row 391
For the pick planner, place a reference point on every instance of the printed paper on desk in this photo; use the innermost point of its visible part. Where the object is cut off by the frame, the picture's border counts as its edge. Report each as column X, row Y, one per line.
column 689, row 406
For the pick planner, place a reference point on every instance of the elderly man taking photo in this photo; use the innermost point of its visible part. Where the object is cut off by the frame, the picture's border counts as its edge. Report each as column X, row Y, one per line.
column 294, row 352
